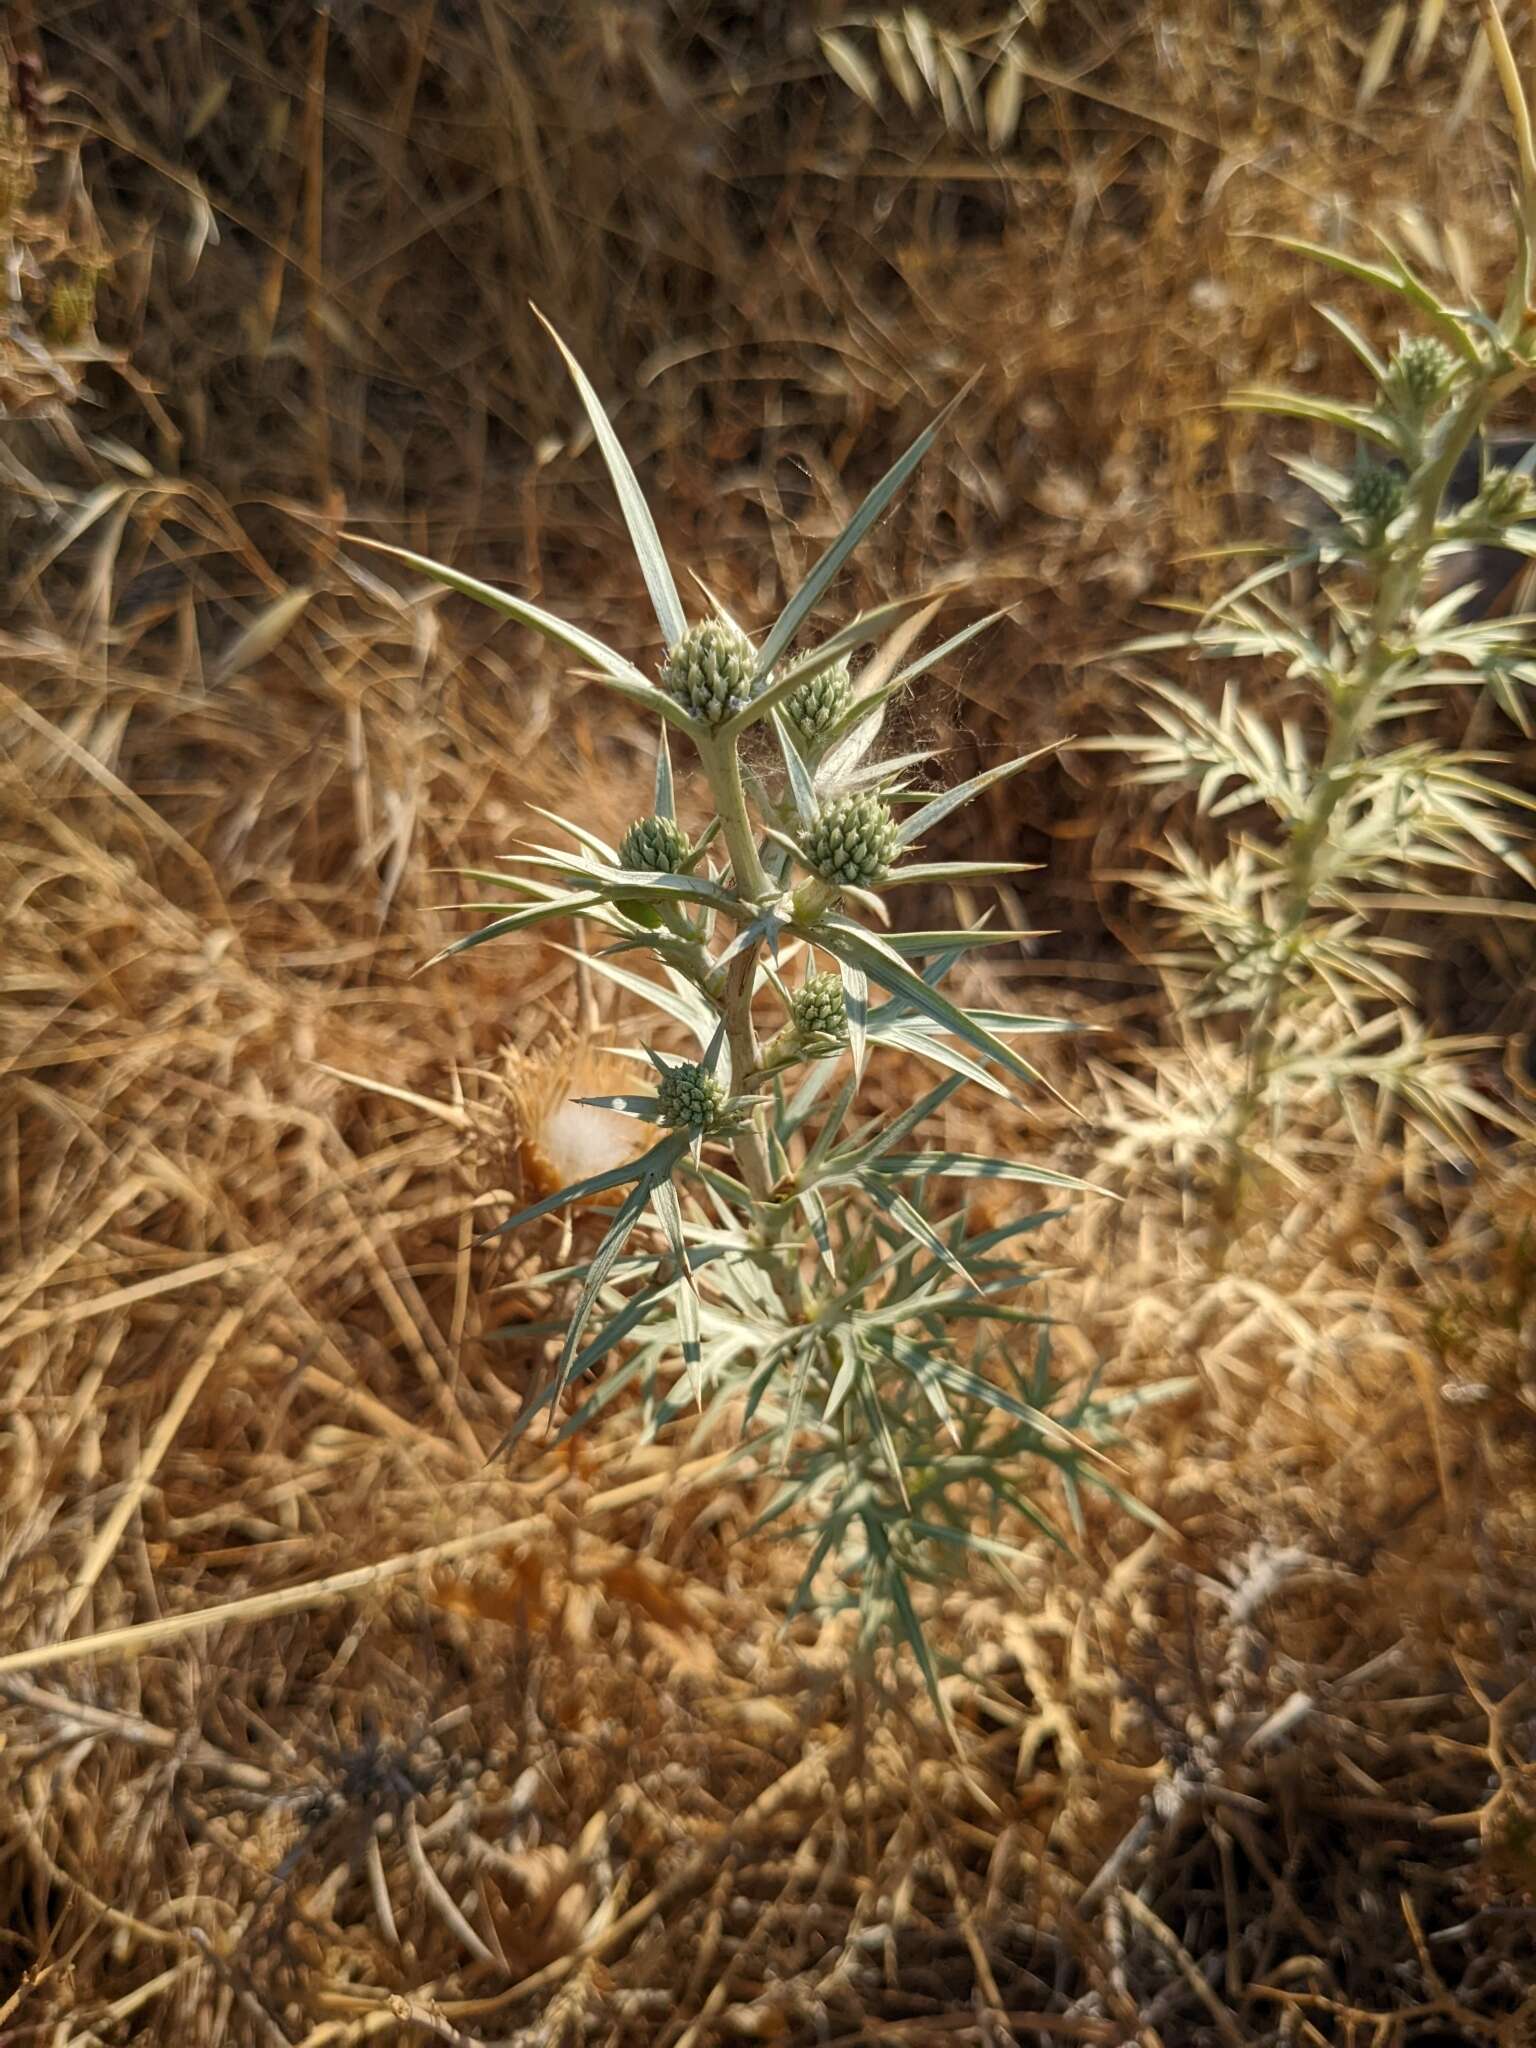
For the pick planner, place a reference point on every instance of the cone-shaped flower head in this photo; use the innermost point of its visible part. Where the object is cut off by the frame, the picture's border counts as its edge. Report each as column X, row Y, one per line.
column 851, row 840
column 1420, row 372
column 821, row 700
column 708, row 671
column 1376, row 495
column 690, row 1097
column 818, row 1009
column 656, row 846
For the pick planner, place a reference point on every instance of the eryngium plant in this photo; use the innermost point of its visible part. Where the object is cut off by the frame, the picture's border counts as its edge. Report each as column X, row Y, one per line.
column 777, row 1258
column 1285, row 932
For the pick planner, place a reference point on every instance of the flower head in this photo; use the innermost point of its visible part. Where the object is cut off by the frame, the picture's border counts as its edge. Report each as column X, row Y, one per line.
column 1376, row 495
column 690, row 1097
column 655, row 846
column 709, row 671
column 1419, row 373
column 818, row 1009
column 821, row 700
column 850, row 840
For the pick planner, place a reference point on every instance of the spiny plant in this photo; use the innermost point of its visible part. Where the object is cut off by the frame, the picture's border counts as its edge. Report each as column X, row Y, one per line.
column 1285, row 931
column 779, row 1259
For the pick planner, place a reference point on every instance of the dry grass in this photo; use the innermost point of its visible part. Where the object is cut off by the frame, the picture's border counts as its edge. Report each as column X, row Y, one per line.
column 372, row 1741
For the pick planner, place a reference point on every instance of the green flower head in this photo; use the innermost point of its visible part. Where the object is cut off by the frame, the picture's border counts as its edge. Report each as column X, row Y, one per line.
column 690, row 1097
column 655, row 846
column 1376, row 495
column 818, row 1010
column 821, row 701
column 850, row 840
column 709, row 671
column 1419, row 373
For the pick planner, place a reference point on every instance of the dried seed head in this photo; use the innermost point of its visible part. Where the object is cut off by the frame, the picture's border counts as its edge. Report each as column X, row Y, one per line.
column 818, row 1010
column 850, row 841
column 1376, row 496
column 709, row 671
column 1419, row 373
column 655, row 846
column 821, row 701
column 690, row 1097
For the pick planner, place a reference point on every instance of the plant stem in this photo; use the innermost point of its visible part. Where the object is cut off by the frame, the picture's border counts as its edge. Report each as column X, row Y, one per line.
column 1352, row 713
column 722, row 767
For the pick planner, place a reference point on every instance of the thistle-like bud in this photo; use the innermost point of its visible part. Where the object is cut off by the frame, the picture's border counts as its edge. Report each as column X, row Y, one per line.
column 708, row 672
column 1419, row 373
column 821, row 700
column 818, row 1010
column 655, row 846
column 1376, row 496
column 850, row 840
column 690, row 1097
column 1506, row 496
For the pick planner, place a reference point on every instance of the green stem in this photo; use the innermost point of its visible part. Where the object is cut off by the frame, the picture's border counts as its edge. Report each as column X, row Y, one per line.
column 1353, row 717
column 722, row 767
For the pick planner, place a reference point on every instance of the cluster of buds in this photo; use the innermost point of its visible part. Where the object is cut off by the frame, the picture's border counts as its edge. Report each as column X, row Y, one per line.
column 1419, row 375
column 821, row 700
column 818, row 1023
column 1376, row 496
column 655, row 846
column 690, row 1098
column 709, row 671
column 850, row 841
column 818, row 1008
column 1506, row 496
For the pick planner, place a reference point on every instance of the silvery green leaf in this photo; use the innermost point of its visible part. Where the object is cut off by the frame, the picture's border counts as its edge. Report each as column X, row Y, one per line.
column 881, row 963
column 609, row 668
column 1356, row 340
column 801, row 604
column 516, row 921
column 955, row 871
column 951, row 799
column 915, row 1225
column 642, row 1106
column 857, row 633
column 664, row 1200
column 629, row 1212
column 978, row 1166
column 580, row 833
column 642, row 528
column 660, row 1159
column 802, row 789
column 856, row 1003
column 1298, row 405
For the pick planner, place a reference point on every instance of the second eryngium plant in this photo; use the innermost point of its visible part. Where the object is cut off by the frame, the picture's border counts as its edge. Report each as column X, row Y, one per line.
column 1284, row 933
column 773, row 1253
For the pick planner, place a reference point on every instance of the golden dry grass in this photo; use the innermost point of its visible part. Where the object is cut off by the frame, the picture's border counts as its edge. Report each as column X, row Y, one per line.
column 373, row 1741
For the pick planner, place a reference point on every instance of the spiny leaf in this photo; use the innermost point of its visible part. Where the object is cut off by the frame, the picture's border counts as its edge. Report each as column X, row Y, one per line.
column 642, row 529
column 800, row 605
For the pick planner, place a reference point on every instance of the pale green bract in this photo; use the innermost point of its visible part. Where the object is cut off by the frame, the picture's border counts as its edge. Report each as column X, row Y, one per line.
column 779, row 1261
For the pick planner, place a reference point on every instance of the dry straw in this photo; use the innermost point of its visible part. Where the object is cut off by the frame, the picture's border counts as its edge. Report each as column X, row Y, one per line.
column 1295, row 1731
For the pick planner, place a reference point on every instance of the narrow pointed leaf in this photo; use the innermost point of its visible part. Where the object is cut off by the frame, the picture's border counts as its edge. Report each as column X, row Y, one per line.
column 660, row 1159
column 669, row 1209
column 642, row 528
column 801, row 604
column 866, row 627
column 951, row 799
